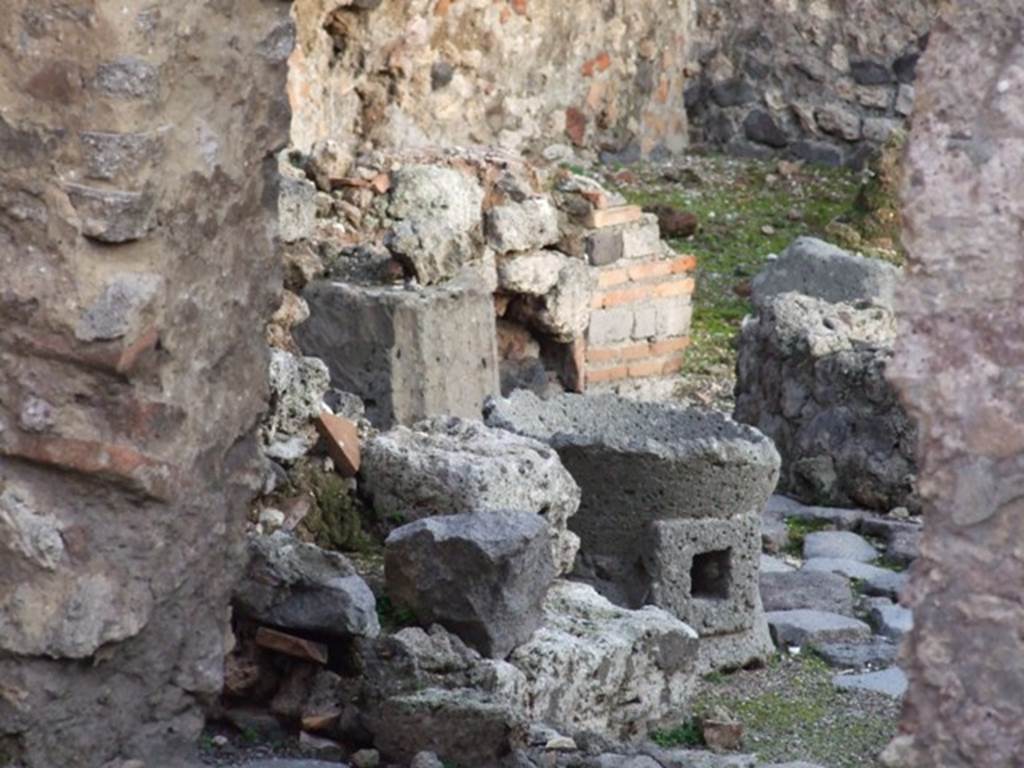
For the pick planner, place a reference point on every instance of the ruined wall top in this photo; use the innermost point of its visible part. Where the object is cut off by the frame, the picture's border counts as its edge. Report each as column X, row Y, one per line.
column 521, row 74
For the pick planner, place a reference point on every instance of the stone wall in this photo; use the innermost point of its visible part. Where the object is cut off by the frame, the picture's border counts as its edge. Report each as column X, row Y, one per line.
column 519, row 74
column 819, row 80
column 136, row 276
column 960, row 363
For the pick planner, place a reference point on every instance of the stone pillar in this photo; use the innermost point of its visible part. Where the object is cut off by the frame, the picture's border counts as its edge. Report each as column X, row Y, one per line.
column 960, row 365
column 137, row 217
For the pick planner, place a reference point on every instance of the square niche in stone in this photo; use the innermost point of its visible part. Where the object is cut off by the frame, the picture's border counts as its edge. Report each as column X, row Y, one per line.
column 705, row 571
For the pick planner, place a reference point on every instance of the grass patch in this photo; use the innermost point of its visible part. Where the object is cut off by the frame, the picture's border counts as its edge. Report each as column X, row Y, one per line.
column 747, row 211
column 794, row 712
column 686, row 735
column 798, row 529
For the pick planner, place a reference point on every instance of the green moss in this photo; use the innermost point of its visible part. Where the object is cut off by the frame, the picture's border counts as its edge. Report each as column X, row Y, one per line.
column 686, row 735
column 337, row 519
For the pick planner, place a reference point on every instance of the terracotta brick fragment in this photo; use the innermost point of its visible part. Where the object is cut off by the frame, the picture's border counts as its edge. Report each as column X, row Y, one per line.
column 616, row 215
column 576, row 126
column 618, row 354
column 644, row 368
column 667, row 346
column 320, row 722
column 673, row 364
column 342, row 438
column 675, row 288
column 610, row 277
column 684, row 264
column 290, row 645
column 623, row 296
column 649, row 270
column 607, row 374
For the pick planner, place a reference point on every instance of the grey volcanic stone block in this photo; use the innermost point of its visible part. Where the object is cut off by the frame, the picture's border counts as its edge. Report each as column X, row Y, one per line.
column 890, row 682
column 736, row 650
column 706, row 571
column 482, row 576
column 804, row 627
column 461, row 726
column 842, row 545
column 880, row 652
column 447, row 466
column 640, row 462
column 815, row 268
column 873, row 580
column 812, row 376
column 408, row 354
column 815, row 591
column 893, row 621
column 299, row 586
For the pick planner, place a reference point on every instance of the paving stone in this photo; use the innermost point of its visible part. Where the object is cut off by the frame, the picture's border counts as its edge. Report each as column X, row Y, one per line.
column 904, row 547
column 829, row 592
column 841, row 545
column 873, row 580
column 880, row 652
column 771, row 564
column 890, row 682
column 892, row 621
column 805, row 627
column 843, row 519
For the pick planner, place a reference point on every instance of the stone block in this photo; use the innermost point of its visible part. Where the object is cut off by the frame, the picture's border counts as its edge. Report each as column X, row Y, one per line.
column 890, row 682
column 842, row 545
column 610, row 326
column 603, row 247
column 706, row 571
column 533, row 273
column 588, row 647
column 821, row 270
column 523, row 226
column 805, row 627
column 642, row 239
column 408, row 354
column 816, row 591
column 640, row 462
column 435, row 215
column 483, row 576
column 110, row 215
column 298, row 586
column 451, row 466
column 812, row 375
column 673, row 316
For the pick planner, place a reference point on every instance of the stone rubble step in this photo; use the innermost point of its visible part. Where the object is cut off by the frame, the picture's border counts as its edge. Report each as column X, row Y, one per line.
column 879, row 652
column 890, row 682
column 873, row 580
column 840, row 545
column 844, row 519
column 892, row 621
column 805, row 627
column 771, row 564
column 829, row 592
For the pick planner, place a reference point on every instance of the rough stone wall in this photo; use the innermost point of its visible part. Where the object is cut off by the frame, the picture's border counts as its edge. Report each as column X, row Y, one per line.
column 960, row 364
column 520, row 74
column 820, row 80
column 136, row 275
